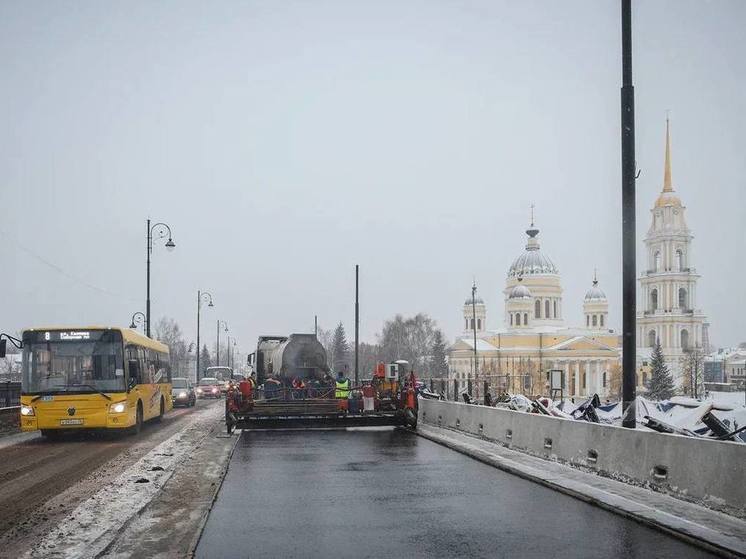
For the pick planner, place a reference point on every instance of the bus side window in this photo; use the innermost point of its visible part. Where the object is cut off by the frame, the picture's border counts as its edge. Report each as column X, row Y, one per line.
column 133, row 365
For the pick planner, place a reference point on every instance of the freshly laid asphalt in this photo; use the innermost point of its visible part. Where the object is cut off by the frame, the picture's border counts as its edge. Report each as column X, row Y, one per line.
column 388, row 493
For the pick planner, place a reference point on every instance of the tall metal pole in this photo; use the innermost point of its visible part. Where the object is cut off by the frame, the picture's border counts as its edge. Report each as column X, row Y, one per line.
column 147, row 301
column 629, row 244
column 316, row 325
column 199, row 302
column 217, row 345
column 357, row 320
column 474, row 327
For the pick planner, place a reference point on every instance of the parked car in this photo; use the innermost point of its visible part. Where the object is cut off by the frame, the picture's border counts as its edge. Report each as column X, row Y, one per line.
column 208, row 387
column 182, row 392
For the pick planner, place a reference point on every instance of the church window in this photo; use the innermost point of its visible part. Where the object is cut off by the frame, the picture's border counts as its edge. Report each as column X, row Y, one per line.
column 587, row 320
column 657, row 262
column 479, row 324
column 585, row 380
column 654, row 300
column 466, row 323
column 555, row 309
column 601, row 318
column 595, row 320
column 679, row 260
column 682, row 298
column 546, row 309
column 684, row 339
column 651, row 338
column 472, row 324
column 511, row 319
column 517, row 319
column 604, row 379
column 525, row 319
column 537, row 309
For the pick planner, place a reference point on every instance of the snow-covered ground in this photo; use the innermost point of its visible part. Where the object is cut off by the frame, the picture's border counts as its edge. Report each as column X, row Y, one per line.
column 92, row 526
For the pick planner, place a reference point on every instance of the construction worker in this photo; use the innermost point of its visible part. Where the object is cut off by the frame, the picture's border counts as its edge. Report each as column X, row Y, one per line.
column 342, row 391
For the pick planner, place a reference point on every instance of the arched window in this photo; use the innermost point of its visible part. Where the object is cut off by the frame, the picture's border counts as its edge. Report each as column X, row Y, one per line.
column 466, row 323
column 472, row 324
column 511, row 319
column 525, row 319
column 479, row 324
column 595, row 320
column 601, row 319
column 651, row 338
column 657, row 260
column 517, row 319
column 555, row 309
column 537, row 309
column 682, row 298
column 654, row 300
column 684, row 339
column 546, row 309
column 679, row 260
column 587, row 320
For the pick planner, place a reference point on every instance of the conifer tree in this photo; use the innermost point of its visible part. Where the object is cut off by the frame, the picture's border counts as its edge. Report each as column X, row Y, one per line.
column 340, row 349
column 661, row 385
column 438, row 363
column 204, row 360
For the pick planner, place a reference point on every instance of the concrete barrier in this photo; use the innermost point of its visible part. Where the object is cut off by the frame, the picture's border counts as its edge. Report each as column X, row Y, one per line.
column 708, row 472
column 10, row 418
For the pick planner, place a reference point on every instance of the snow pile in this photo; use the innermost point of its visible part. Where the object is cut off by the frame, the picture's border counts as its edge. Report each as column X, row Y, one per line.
column 93, row 525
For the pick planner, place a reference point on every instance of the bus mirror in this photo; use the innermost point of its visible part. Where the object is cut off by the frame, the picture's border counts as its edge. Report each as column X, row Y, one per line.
column 3, row 345
column 134, row 367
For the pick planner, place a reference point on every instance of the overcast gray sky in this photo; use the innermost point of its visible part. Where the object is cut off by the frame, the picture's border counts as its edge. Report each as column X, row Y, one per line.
column 284, row 142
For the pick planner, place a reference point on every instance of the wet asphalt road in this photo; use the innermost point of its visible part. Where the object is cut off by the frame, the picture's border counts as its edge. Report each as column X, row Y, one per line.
column 388, row 493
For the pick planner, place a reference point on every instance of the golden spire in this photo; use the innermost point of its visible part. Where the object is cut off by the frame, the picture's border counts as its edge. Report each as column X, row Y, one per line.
column 667, row 170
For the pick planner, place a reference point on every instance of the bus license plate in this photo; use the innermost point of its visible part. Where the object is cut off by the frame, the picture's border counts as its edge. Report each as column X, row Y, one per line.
column 71, row 422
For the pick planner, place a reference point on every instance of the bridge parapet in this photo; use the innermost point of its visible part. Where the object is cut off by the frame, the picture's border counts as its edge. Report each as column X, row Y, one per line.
column 704, row 471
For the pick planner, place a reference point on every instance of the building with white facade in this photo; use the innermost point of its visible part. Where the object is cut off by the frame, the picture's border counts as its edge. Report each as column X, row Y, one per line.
column 667, row 301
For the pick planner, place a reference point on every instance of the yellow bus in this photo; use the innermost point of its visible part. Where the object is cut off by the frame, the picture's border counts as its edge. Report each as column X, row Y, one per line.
column 92, row 378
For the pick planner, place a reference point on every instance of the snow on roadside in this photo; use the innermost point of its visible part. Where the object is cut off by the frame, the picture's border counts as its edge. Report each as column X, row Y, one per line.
column 94, row 524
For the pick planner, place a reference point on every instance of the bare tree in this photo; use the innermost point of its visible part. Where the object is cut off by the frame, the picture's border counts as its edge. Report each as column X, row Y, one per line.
column 167, row 331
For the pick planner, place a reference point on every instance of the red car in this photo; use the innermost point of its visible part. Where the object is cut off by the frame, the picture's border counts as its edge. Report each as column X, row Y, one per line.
column 208, row 387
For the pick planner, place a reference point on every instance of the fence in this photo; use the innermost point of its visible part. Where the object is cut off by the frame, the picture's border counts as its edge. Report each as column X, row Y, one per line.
column 452, row 389
column 10, row 394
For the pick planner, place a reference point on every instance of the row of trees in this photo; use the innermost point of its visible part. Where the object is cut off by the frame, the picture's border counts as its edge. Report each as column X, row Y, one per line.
column 416, row 339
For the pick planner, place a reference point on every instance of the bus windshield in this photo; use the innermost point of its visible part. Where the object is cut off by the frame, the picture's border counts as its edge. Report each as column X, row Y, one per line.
column 84, row 362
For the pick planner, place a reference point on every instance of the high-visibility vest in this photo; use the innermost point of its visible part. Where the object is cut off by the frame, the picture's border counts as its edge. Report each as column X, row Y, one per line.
column 343, row 389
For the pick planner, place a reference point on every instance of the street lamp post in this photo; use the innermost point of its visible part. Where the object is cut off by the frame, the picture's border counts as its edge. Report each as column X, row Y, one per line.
column 474, row 327
column 629, row 242
column 162, row 230
column 207, row 298
column 137, row 318
column 217, row 344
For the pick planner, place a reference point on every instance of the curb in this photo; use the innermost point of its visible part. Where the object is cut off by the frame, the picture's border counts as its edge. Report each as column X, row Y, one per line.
column 206, row 514
column 721, row 549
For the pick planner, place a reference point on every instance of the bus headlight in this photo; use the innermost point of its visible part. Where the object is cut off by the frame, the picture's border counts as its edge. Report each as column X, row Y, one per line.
column 119, row 407
column 27, row 410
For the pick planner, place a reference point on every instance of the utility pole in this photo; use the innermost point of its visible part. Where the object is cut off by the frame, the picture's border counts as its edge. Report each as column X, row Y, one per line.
column 357, row 321
column 474, row 328
column 629, row 241
column 217, row 347
column 316, row 325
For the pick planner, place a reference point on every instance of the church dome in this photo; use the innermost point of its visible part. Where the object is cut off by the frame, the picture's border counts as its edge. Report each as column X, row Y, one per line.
column 595, row 293
column 668, row 199
column 477, row 300
column 520, row 291
column 532, row 262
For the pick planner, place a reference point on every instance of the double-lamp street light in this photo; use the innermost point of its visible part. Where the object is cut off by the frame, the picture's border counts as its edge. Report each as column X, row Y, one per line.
column 205, row 296
column 137, row 318
column 161, row 231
